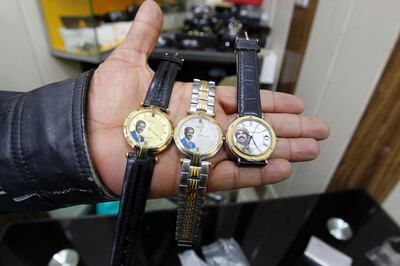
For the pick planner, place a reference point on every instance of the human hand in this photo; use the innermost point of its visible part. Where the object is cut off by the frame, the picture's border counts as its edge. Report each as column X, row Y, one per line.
column 120, row 84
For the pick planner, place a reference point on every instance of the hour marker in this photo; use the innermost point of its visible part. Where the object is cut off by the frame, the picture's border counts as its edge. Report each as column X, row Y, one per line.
column 200, row 120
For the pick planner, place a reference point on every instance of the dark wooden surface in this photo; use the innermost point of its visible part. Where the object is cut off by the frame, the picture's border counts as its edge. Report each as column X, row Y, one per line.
column 372, row 159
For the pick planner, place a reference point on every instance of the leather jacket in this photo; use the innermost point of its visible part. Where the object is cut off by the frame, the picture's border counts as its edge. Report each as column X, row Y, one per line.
column 44, row 158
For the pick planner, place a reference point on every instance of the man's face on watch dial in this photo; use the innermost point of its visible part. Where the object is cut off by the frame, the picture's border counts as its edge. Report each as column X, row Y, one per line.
column 199, row 135
column 252, row 137
column 150, row 127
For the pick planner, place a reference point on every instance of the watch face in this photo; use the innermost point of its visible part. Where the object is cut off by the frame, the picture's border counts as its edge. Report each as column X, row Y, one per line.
column 251, row 136
column 148, row 127
column 198, row 134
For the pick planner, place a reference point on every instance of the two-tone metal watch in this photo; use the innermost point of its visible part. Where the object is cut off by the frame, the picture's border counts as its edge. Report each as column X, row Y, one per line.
column 199, row 137
column 148, row 131
column 250, row 138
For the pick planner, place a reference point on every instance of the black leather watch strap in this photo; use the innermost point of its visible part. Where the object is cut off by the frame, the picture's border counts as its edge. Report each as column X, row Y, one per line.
column 135, row 188
column 248, row 96
column 161, row 86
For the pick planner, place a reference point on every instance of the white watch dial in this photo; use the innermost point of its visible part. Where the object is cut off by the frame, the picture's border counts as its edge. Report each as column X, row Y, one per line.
column 199, row 134
column 252, row 137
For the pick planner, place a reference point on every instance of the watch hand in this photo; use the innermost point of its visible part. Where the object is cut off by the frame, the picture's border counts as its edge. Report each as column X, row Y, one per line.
column 201, row 129
column 255, row 143
column 154, row 132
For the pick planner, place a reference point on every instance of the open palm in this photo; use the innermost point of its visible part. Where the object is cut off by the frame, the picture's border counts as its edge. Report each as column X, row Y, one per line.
column 120, row 84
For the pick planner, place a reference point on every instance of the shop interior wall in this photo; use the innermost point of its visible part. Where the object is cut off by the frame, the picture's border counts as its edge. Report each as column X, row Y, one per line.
column 349, row 46
column 375, row 145
column 26, row 62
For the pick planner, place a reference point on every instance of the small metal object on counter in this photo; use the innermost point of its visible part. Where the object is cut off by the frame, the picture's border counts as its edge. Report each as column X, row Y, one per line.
column 339, row 229
column 65, row 257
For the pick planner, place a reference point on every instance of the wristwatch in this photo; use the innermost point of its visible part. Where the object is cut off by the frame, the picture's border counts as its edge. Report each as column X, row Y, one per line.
column 148, row 131
column 199, row 137
column 249, row 137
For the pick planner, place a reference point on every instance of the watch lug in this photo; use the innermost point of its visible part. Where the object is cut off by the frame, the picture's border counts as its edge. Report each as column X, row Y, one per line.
column 143, row 152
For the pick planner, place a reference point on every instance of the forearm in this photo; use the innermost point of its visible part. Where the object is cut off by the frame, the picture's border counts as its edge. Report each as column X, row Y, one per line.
column 44, row 160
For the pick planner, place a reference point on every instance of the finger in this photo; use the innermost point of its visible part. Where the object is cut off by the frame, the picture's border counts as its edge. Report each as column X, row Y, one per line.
column 227, row 175
column 271, row 102
column 296, row 126
column 143, row 34
column 296, row 150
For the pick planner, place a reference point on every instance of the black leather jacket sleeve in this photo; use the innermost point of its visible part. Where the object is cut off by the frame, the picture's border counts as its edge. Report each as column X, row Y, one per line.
column 44, row 157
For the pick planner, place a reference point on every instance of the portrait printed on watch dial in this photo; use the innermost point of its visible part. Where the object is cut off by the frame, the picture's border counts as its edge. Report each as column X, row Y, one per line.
column 139, row 127
column 252, row 137
column 147, row 128
column 199, row 135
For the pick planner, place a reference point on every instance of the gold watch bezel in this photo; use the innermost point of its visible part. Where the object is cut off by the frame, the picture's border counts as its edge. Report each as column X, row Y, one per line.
column 210, row 154
column 239, row 153
column 138, row 146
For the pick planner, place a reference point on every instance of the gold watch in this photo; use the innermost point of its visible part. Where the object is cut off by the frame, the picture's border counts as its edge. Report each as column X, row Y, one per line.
column 148, row 131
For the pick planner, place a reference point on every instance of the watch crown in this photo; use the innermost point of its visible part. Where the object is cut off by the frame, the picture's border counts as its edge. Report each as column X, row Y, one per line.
column 156, row 159
column 127, row 155
column 223, row 138
column 181, row 159
column 141, row 104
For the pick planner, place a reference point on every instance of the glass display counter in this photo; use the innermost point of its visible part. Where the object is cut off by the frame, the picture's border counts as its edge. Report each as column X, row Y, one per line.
column 274, row 232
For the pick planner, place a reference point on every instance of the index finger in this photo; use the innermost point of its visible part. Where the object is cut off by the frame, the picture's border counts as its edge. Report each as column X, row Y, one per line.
column 271, row 102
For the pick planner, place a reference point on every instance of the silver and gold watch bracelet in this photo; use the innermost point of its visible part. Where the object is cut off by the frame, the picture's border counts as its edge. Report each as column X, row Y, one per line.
column 194, row 173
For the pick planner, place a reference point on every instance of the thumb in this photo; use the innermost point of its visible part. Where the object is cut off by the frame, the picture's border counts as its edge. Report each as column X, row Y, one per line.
column 143, row 34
